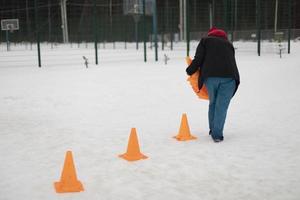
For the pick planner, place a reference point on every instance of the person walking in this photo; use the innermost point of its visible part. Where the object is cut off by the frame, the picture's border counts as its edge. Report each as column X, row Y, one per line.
column 215, row 58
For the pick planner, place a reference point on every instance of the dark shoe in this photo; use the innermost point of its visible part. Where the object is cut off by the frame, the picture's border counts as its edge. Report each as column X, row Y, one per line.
column 209, row 132
column 217, row 140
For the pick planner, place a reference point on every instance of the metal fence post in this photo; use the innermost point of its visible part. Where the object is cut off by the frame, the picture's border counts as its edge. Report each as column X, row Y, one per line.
column 37, row 32
column 258, row 25
column 144, row 30
column 95, row 28
column 155, row 28
column 225, row 15
column 171, row 22
column 232, row 20
column 289, row 24
column 187, row 28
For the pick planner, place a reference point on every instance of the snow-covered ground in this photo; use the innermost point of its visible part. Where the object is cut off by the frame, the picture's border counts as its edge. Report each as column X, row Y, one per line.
column 63, row 106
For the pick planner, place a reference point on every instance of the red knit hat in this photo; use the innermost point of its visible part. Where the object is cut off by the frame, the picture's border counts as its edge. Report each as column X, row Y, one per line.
column 214, row 31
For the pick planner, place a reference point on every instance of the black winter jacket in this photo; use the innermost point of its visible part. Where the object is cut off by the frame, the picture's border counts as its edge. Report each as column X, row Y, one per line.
column 215, row 57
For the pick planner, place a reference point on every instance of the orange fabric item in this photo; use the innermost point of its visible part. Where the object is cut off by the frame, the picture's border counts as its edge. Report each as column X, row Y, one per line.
column 202, row 94
column 184, row 131
column 133, row 149
column 68, row 181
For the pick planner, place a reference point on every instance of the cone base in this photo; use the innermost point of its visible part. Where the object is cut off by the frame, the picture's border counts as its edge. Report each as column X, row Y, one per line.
column 133, row 158
column 63, row 188
column 185, row 138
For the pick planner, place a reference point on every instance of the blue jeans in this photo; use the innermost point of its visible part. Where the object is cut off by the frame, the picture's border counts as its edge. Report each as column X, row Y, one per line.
column 220, row 91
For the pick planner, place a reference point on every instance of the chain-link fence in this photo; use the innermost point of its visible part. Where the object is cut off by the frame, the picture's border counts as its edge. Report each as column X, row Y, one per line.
column 81, row 23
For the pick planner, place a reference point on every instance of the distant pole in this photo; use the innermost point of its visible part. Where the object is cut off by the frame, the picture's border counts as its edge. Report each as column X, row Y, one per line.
column 276, row 16
column 232, row 20
column 187, row 5
column 7, row 40
column 28, row 29
column 66, row 23
column 144, row 30
column 136, row 35
column 258, row 25
column 136, row 16
column 111, row 24
column 49, row 20
column 181, row 19
column 167, row 17
column 64, row 19
column 289, row 24
column 155, row 28
column 163, row 33
column 210, row 15
column 226, row 15
column 235, row 14
column 125, row 33
column 184, row 20
column 95, row 24
column 213, row 12
column 195, row 12
column 171, row 22
column 37, row 32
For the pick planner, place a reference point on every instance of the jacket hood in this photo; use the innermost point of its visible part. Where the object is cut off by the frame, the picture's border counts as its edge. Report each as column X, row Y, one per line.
column 217, row 33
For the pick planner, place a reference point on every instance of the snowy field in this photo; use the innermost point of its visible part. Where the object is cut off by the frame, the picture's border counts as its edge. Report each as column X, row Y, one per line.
column 63, row 106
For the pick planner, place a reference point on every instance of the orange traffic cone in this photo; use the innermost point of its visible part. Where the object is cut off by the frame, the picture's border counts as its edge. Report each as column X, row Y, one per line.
column 68, row 181
column 193, row 80
column 184, row 131
column 133, row 149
